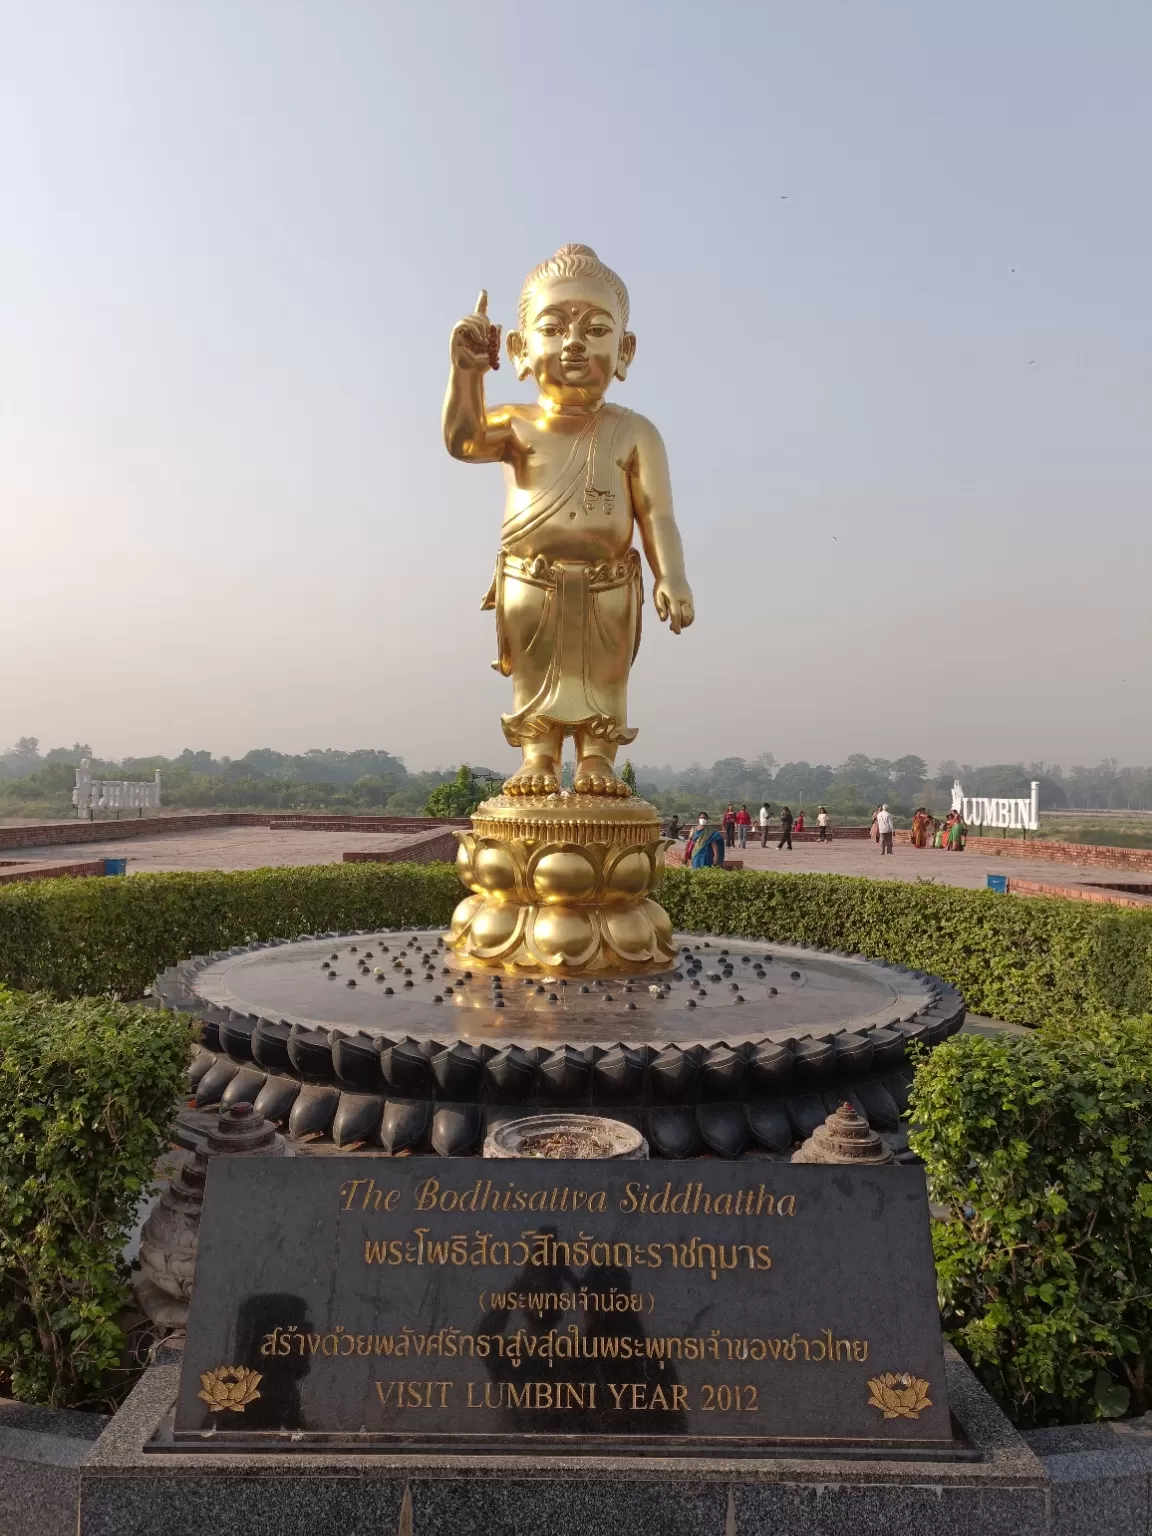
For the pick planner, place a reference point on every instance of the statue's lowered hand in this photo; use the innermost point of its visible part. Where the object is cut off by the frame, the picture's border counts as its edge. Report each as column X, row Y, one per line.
column 673, row 605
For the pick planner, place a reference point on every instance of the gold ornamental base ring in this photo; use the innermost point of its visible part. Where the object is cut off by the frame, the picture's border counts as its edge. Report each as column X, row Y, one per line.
column 562, row 887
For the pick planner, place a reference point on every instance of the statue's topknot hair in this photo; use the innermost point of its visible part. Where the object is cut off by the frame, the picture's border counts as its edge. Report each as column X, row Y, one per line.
column 573, row 261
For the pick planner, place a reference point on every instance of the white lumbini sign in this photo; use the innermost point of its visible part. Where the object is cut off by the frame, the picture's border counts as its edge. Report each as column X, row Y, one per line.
column 112, row 794
column 1022, row 815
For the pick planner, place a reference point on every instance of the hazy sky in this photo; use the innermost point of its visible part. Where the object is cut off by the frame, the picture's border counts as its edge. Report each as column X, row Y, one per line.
column 889, row 268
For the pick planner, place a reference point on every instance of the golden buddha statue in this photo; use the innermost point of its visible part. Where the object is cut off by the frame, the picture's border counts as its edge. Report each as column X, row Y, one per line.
column 580, row 474
column 562, row 881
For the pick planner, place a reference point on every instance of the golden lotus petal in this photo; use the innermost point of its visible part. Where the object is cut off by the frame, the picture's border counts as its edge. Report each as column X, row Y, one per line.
column 496, row 929
column 899, row 1397
column 564, row 873
column 229, row 1388
column 629, row 873
column 563, row 935
column 464, row 858
column 494, row 868
column 462, row 917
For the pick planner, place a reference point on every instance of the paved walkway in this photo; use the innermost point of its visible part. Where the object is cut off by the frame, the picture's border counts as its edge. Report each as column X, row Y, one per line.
column 219, row 848
column 905, row 863
column 258, row 848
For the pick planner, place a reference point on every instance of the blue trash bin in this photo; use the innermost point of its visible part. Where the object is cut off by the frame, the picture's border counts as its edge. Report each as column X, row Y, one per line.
column 998, row 883
column 115, row 866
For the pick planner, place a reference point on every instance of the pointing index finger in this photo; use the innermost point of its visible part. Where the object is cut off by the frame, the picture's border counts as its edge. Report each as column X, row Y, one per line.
column 482, row 303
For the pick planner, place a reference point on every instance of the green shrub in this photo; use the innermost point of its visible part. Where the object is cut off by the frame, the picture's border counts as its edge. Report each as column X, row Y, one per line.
column 87, row 1091
column 1040, row 1147
column 1023, row 960
column 113, row 935
column 461, row 795
column 1123, row 964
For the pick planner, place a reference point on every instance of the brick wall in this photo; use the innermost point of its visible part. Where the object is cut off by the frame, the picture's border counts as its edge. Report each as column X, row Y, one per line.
column 1018, row 887
column 11, row 871
column 40, row 834
column 1063, row 853
column 434, row 847
column 364, row 823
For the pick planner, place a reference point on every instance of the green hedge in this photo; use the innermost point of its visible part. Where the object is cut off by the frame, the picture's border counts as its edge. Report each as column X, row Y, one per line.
column 87, row 1091
column 1021, row 960
column 71, row 937
column 1040, row 1148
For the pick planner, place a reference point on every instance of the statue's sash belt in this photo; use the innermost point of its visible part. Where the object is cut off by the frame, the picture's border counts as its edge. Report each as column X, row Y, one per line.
column 601, row 575
column 590, row 577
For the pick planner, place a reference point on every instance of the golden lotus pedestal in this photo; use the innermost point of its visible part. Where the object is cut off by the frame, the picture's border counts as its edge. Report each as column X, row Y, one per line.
column 563, row 886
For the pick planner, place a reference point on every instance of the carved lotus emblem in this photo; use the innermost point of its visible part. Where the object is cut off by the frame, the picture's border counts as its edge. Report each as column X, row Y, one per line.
column 899, row 1397
column 229, row 1388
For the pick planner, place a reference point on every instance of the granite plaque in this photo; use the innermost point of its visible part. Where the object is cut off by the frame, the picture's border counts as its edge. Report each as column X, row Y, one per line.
column 462, row 1304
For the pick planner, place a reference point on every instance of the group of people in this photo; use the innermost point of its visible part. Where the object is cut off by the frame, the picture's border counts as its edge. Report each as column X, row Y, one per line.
column 790, row 824
column 927, row 832
column 949, row 834
column 706, row 843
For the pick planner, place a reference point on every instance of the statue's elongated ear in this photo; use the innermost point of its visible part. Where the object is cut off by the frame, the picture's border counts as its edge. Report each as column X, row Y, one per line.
column 627, row 353
column 517, row 354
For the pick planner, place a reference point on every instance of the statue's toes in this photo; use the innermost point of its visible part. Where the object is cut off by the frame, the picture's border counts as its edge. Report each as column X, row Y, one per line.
column 599, row 784
column 548, row 784
column 582, row 785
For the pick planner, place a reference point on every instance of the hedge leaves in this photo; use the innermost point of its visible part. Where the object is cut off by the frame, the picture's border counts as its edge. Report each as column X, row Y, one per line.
column 87, row 1093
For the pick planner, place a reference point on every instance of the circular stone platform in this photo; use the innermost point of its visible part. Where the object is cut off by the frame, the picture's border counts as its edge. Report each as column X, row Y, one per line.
column 385, row 1039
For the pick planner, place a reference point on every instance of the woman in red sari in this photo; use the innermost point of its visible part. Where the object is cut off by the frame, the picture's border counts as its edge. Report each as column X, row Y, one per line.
column 920, row 828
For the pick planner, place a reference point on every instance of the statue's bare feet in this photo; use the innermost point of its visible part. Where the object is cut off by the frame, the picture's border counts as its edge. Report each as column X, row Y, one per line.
column 538, row 776
column 596, row 776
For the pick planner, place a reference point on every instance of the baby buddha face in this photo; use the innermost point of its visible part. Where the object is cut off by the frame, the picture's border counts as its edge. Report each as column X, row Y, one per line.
column 573, row 341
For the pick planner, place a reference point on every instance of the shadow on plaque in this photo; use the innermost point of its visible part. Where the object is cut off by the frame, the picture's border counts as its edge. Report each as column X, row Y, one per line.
column 278, row 1406
column 594, row 1386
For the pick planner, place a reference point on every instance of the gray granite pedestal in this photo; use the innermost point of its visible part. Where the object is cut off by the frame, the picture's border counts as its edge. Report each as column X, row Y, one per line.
column 127, row 1492
column 58, row 1479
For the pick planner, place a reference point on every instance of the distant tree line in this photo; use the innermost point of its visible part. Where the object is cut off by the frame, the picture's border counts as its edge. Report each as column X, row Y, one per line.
column 371, row 780
column 856, row 786
column 1107, row 787
column 861, row 783
column 360, row 782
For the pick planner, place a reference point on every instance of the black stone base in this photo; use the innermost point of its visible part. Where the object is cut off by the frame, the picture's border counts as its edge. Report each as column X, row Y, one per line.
column 743, row 1050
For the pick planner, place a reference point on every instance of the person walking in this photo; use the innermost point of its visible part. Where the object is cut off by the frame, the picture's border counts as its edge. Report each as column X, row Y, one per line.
column 874, row 830
column 674, row 828
column 785, row 828
column 884, row 829
column 728, row 821
column 822, row 823
column 743, row 822
column 798, row 824
column 765, row 817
